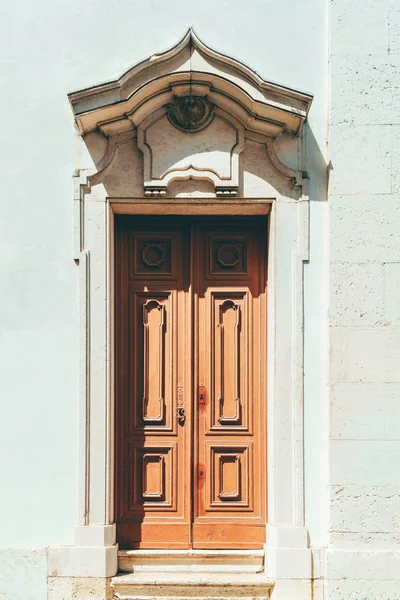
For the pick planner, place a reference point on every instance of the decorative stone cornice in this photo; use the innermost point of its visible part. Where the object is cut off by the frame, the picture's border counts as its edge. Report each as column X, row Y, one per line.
column 190, row 109
column 261, row 106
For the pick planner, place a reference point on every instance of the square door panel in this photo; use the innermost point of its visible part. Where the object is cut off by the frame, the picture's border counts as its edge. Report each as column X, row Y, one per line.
column 227, row 255
column 152, row 255
column 153, row 477
column 230, row 477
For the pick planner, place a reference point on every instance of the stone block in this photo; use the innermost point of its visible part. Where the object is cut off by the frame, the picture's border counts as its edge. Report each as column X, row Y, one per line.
column 287, row 537
column 318, row 589
column 365, row 228
column 346, row 17
column 381, row 566
column 395, row 150
column 288, row 589
column 96, row 535
column 353, row 589
column 356, row 294
column 365, row 509
column 394, row 27
column 360, row 159
column 23, row 573
column 392, row 292
column 79, row 588
column 191, row 585
column 361, row 462
column 338, row 368
column 76, row 561
column 364, row 355
column 365, row 411
column 365, row 90
column 364, row 541
column 374, row 355
column 318, row 562
column 288, row 563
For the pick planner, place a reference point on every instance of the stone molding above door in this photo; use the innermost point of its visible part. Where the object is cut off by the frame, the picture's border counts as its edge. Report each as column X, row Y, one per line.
column 191, row 109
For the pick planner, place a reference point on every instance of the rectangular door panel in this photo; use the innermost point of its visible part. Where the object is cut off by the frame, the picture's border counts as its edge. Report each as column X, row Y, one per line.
column 229, row 345
column 153, row 341
column 153, row 478
column 165, row 535
column 224, row 535
column 230, row 468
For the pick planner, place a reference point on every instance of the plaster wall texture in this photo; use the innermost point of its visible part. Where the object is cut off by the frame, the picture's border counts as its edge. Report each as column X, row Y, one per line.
column 364, row 550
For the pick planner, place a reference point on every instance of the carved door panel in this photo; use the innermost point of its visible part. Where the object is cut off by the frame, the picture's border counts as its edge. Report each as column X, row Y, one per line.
column 230, row 499
column 190, row 382
column 153, row 386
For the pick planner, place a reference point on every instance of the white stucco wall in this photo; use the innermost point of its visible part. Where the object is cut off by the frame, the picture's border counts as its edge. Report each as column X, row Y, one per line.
column 364, row 558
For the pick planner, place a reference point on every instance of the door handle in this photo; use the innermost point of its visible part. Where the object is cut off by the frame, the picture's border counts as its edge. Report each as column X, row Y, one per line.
column 180, row 415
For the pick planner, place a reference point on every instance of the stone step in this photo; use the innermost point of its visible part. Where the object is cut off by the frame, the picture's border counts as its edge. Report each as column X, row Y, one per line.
column 158, row 597
column 249, row 569
column 244, row 561
column 189, row 585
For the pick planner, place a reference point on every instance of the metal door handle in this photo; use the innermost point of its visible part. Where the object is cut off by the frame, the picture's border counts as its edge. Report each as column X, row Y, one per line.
column 180, row 415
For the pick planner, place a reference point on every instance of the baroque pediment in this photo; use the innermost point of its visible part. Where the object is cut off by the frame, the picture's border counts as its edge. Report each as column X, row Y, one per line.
column 191, row 108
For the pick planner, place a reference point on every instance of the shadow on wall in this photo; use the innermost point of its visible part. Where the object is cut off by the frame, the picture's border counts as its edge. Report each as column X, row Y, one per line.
column 316, row 166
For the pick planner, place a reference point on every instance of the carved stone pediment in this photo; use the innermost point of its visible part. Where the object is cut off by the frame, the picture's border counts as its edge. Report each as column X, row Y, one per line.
column 191, row 108
column 269, row 107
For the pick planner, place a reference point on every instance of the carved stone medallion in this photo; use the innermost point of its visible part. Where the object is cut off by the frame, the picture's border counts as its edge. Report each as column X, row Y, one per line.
column 190, row 113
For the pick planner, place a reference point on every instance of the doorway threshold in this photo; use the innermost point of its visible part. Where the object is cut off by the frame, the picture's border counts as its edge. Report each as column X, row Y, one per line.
column 194, row 574
column 238, row 561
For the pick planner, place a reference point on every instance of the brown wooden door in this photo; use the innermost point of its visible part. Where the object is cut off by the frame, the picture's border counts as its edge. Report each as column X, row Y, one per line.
column 190, row 374
column 231, row 414
column 153, row 377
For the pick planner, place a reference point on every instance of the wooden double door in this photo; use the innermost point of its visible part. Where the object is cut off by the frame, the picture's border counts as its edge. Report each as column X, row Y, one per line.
column 191, row 382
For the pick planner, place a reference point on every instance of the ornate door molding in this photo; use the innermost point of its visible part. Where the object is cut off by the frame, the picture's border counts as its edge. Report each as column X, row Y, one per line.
column 243, row 113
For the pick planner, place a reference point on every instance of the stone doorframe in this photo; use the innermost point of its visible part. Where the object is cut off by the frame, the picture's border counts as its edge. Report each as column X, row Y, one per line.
column 249, row 105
